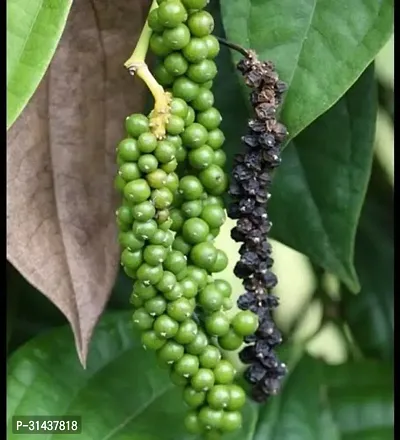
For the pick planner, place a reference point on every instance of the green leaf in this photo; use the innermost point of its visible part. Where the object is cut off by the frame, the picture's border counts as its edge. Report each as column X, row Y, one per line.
column 370, row 314
column 319, row 189
column 320, row 186
column 34, row 28
column 124, row 394
column 361, row 400
column 320, row 47
column 120, row 395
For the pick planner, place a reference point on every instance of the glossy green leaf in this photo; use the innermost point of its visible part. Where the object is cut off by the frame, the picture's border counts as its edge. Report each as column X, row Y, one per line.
column 361, row 399
column 370, row 314
column 121, row 393
column 320, row 47
column 319, row 188
column 34, row 28
column 124, row 394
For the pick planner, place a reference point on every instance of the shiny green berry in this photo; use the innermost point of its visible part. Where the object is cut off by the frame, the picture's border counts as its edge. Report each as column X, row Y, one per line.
column 147, row 163
column 165, row 326
column 156, row 306
column 189, row 288
column 176, row 38
column 224, row 287
column 175, row 293
column 224, row 372
column 175, row 262
column 204, row 100
column 213, row 46
column 167, row 282
column 203, row 71
column 130, row 241
column 192, row 208
column 171, row 13
column 124, row 214
column 196, row 50
column 203, row 255
column 192, row 423
column 190, row 187
column 129, row 171
column 231, row 421
column 171, row 352
column 144, row 291
column 210, row 357
column 162, row 198
column 245, row 323
column 193, row 398
column 198, row 344
column 218, row 397
column 203, row 380
column 220, row 158
column 210, row 118
column 137, row 191
column 217, row 324
column 221, row 262
column 185, row 89
column 194, row 136
column 180, row 309
column 128, row 150
column 201, row 157
column 130, row 259
column 187, row 366
column 195, row 230
column 175, row 125
column 210, row 298
column 157, row 179
column 158, row 46
column 144, row 230
column 170, row 166
column 216, row 139
column 154, row 22
column 237, row 398
column 198, row 275
column 201, row 23
column 142, row 319
column 155, row 254
column 136, row 125
column 213, row 215
column 187, row 332
column 151, row 341
column 163, row 77
column 210, row 418
column 147, row 142
column 176, row 64
column 230, row 341
column 149, row 274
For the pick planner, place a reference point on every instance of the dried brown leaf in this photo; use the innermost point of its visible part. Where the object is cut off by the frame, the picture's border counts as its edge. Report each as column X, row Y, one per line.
column 61, row 231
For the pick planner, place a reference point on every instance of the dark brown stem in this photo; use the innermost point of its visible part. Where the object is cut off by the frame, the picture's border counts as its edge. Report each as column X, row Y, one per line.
column 234, row 46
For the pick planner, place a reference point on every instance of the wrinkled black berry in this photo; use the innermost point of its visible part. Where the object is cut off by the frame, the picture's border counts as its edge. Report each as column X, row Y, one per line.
column 249, row 189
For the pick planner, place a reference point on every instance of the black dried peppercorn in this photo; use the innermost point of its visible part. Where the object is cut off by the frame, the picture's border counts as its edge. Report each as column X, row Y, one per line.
column 249, row 190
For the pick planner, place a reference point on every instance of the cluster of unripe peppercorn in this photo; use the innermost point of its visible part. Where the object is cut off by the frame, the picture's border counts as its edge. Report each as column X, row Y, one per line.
column 171, row 212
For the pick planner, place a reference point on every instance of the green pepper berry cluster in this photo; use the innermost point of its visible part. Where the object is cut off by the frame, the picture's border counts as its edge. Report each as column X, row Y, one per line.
column 171, row 212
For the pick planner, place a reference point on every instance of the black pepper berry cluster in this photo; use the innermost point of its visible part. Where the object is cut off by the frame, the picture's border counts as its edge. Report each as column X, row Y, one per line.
column 249, row 189
column 171, row 177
